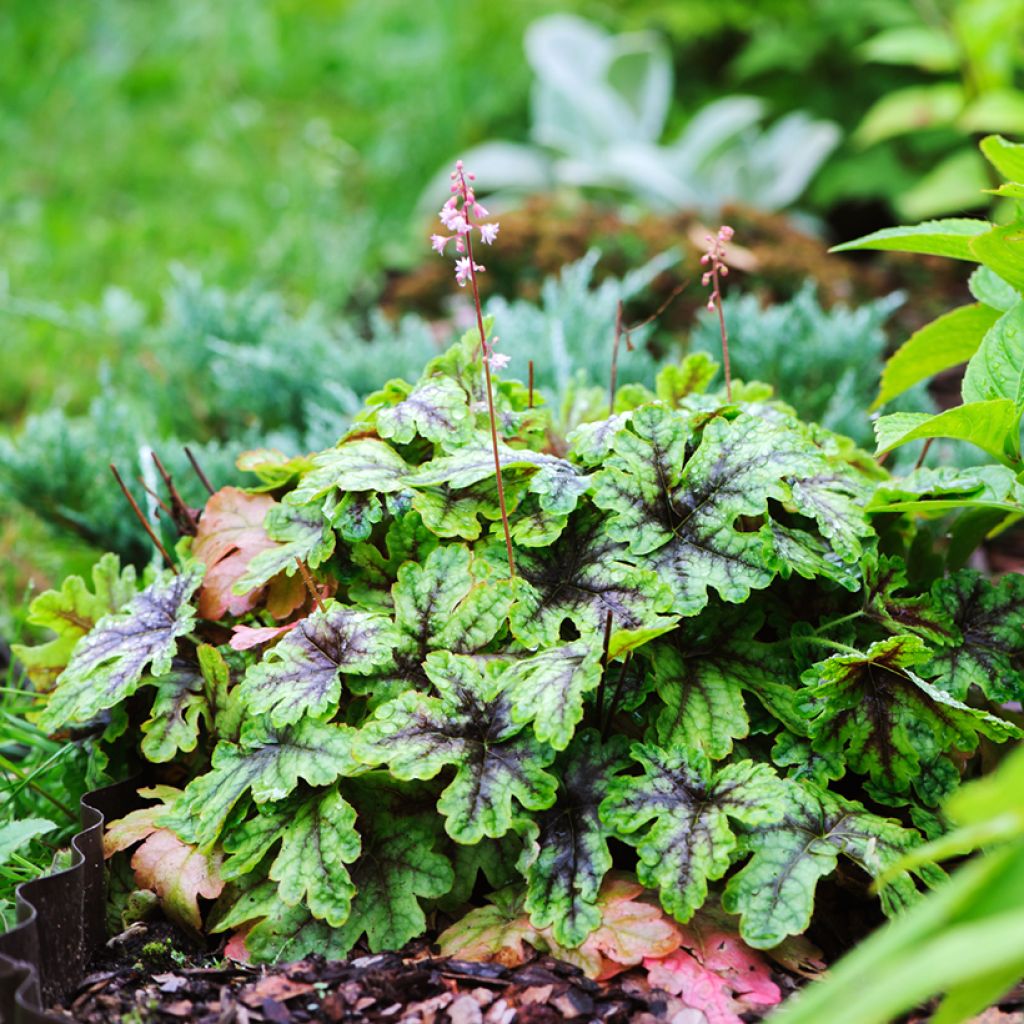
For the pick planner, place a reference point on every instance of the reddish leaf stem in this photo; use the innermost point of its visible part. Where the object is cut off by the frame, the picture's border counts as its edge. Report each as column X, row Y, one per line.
column 613, row 382
column 203, row 478
column 310, row 585
column 717, row 298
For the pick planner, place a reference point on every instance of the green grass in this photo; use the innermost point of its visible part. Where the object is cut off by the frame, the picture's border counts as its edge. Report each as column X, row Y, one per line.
column 271, row 141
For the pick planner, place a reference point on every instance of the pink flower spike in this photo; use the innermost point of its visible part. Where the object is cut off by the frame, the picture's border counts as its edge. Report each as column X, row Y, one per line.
column 460, row 245
column 711, row 305
column 462, row 271
column 725, row 233
column 489, row 232
column 498, row 360
column 459, row 165
column 480, row 211
column 438, row 242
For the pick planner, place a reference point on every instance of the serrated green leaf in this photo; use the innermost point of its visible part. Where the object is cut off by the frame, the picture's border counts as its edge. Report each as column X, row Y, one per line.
column 316, row 845
column 555, row 481
column 582, row 577
column 991, row 290
column 457, row 512
column 884, row 577
column 991, row 426
column 987, row 648
column 469, row 726
column 689, row 811
column 996, row 370
column 355, row 515
column 571, row 857
column 173, row 724
column 888, row 722
column 950, row 237
column 301, row 532
column 223, row 705
column 301, row 675
column 548, row 688
column 71, row 612
column 946, row 342
column 589, row 443
column 363, row 464
column 439, row 605
column 691, row 377
column 406, row 540
column 774, row 892
column 107, row 664
column 681, row 516
column 400, row 865
column 436, row 409
column 267, row 762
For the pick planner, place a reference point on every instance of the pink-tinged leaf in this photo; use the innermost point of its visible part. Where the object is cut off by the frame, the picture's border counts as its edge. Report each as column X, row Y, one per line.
column 235, row 948
column 287, row 594
column 137, row 825
column 229, row 536
column 717, row 973
column 244, row 638
column 490, row 934
column 179, row 874
column 631, row 930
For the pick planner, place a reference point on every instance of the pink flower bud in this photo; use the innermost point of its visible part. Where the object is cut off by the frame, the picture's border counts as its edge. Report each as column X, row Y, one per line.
column 711, row 305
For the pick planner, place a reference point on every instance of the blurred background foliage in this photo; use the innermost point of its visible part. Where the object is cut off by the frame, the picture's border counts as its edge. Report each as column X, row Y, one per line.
column 279, row 150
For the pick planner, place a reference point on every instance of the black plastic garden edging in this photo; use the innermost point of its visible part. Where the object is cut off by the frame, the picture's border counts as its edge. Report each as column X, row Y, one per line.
column 60, row 918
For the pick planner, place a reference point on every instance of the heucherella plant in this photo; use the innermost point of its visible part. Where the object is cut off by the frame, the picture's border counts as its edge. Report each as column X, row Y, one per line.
column 713, row 676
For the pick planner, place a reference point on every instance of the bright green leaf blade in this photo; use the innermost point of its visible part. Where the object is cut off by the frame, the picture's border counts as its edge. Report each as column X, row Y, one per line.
column 946, row 342
column 1002, row 250
column 15, row 835
column 991, row 426
column 996, row 370
column 1005, row 156
column 911, row 109
column 950, row 237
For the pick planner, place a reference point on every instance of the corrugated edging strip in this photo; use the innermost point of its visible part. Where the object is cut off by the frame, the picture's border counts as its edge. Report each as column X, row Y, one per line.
column 60, row 918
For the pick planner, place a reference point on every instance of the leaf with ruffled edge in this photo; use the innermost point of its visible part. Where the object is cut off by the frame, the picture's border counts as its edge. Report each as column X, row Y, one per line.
column 581, row 577
column 774, row 892
column 438, row 605
column 887, row 722
column 884, row 577
column 401, row 864
column 316, row 845
column 302, row 674
column 680, row 815
column 360, row 464
column 989, row 651
column 108, row 663
column 701, row 674
column 571, row 850
column 557, row 483
column 682, row 515
column 469, row 726
column 295, row 532
column 437, row 409
column 267, row 762
column 71, row 612
column 173, row 724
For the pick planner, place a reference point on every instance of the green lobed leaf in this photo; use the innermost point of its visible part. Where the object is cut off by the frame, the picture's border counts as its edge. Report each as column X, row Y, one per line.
column 884, row 577
column 438, row 605
column 582, row 577
column 268, row 763
column 71, row 612
column 987, row 648
column 950, row 237
column 680, row 816
column 469, row 726
column 173, row 724
column 318, row 842
column 889, row 723
column 107, row 664
column 436, row 409
column 571, row 855
column 301, row 675
column 548, row 688
column 301, row 532
column 774, row 892
column 362, row 464
column 946, row 342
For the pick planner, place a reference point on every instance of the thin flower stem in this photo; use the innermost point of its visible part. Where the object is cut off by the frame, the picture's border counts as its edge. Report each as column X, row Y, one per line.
column 825, row 627
column 529, row 402
column 614, row 378
column 203, row 478
column 142, row 519
column 490, row 402
column 721, row 324
column 820, row 641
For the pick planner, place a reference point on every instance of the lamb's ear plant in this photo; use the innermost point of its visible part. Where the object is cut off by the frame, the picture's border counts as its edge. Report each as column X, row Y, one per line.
column 406, row 679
